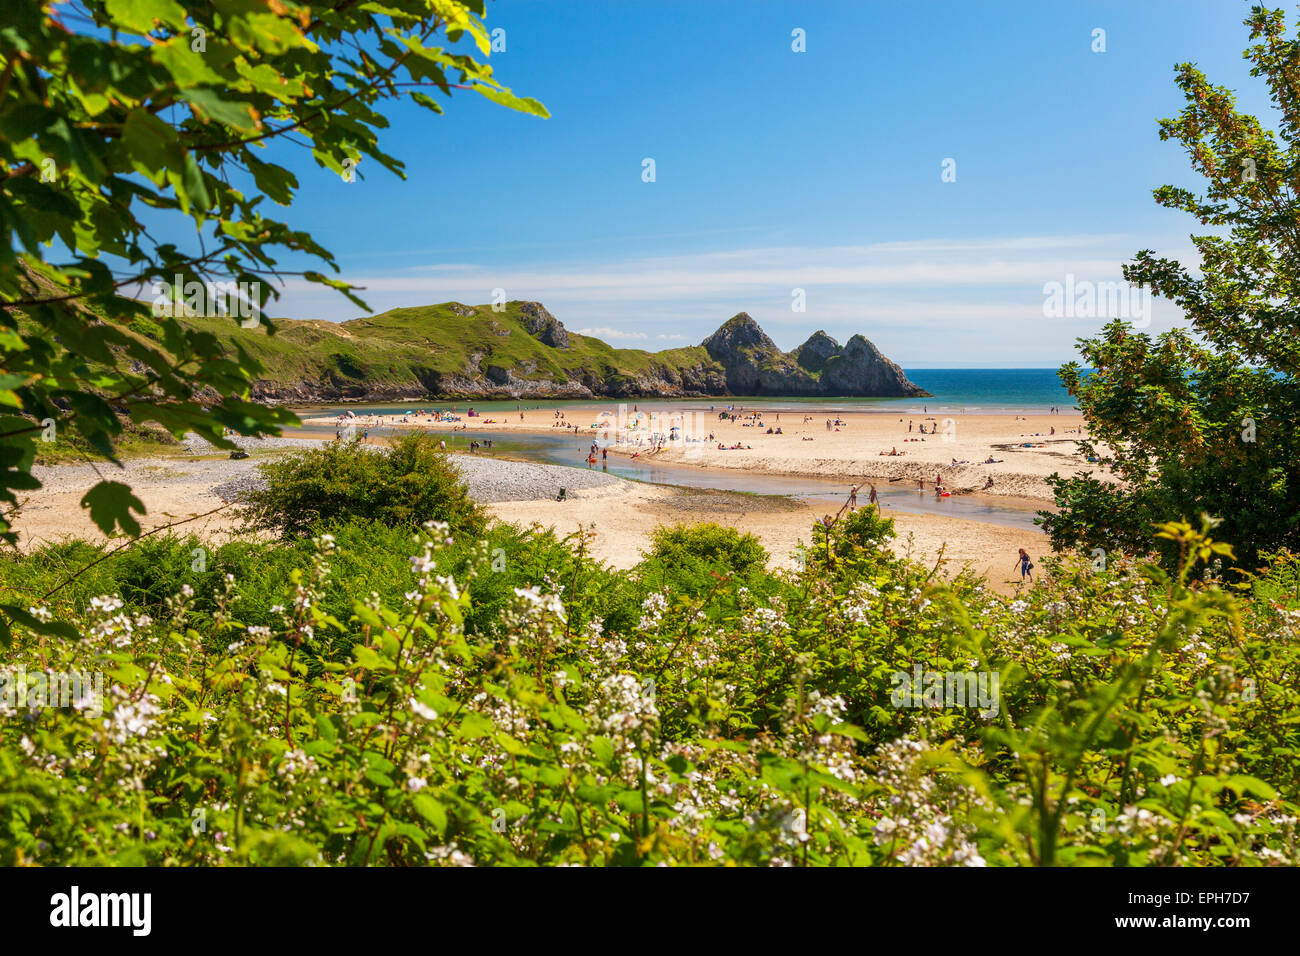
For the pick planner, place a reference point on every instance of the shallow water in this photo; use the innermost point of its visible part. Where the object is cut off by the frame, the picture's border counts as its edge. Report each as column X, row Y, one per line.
column 572, row 450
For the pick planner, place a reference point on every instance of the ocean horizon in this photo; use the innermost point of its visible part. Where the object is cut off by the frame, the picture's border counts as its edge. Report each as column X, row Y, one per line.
column 971, row 391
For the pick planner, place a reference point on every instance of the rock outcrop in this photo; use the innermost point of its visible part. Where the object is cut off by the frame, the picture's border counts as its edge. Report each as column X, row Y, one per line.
column 812, row 355
column 860, row 369
column 546, row 327
column 753, row 365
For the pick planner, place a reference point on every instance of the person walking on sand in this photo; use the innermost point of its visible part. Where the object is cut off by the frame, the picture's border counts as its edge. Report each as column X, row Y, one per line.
column 853, row 498
column 873, row 499
column 1026, row 566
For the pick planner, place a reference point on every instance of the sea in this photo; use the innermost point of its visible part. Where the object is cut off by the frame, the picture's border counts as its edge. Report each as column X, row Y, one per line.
column 994, row 389
column 971, row 391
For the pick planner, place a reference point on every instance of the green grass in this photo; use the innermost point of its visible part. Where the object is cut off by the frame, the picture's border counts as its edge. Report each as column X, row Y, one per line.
column 134, row 442
column 427, row 347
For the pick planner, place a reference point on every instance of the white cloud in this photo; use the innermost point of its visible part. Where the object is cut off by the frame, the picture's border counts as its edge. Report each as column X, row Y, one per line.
column 932, row 264
column 603, row 332
column 924, row 298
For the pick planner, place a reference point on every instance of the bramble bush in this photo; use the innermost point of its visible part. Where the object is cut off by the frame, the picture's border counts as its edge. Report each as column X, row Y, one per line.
column 376, row 696
column 410, row 483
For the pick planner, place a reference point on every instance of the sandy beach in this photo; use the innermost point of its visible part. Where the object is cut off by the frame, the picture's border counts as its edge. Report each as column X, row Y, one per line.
column 620, row 514
column 850, row 446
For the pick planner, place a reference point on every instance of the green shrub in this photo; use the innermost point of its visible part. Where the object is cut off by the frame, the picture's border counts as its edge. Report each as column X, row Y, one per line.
column 403, row 486
column 367, row 699
column 692, row 561
column 1279, row 581
column 710, row 544
column 370, row 559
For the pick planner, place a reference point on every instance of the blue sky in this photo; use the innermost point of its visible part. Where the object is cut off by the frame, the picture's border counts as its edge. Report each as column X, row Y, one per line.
column 778, row 170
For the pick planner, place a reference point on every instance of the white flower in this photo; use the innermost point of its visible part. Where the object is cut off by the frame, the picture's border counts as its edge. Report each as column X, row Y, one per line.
column 542, row 602
column 652, row 611
column 421, row 709
column 295, row 761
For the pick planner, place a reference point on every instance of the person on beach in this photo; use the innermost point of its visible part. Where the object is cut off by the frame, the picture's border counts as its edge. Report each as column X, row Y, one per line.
column 1026, row 566
column 853, row 498
column 873, row 499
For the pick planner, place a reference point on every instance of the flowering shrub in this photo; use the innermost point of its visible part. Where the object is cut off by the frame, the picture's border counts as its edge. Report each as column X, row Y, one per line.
column 581, row 717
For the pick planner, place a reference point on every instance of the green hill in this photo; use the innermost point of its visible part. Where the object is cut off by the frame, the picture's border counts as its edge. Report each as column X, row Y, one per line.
column 455, row 350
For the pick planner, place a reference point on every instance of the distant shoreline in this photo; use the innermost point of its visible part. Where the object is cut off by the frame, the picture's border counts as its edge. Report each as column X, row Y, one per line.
column 969, row 391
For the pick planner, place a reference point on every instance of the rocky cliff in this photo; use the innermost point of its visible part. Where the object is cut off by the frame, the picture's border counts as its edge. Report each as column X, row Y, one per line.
column 755, row 366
